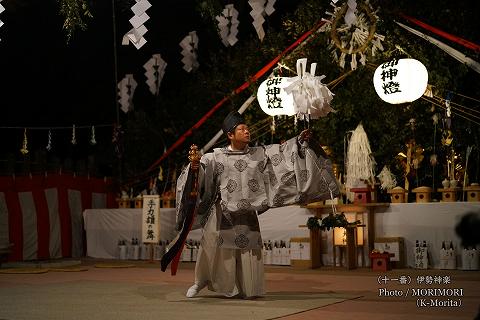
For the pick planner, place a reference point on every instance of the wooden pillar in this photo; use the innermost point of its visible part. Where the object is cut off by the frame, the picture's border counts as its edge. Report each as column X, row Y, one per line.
column 315, row 248
column 351, row 235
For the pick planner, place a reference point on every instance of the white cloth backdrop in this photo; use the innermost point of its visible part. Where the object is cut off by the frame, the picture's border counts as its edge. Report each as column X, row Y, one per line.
column 105, row 227
column 432, row 222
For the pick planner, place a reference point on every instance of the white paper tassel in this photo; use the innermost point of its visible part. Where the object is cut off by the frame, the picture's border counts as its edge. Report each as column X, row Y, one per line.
column 92, row 138
column 310, row 96
column 74, row 138
column 341, row 61
column 189, row 46
column 49, row 144
column 135, row 35
column 258, row 8
column 353, row 63
column 24, row 149
column 154, row 71
column 350, row 15
column 228, row 25
column 126, row 89
column 269, row 9
column 1, row 10
column 387, row 179
column 360, row 163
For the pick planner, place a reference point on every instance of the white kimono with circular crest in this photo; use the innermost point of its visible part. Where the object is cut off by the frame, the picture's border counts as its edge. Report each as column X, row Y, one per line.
column 234, row 186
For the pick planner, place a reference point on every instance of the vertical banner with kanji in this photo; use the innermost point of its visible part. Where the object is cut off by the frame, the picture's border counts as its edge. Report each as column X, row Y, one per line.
column 151, row 219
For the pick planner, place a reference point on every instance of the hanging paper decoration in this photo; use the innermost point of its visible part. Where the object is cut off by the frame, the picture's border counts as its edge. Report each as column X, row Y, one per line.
column 189, row 46
column 400, row 81
column 304, row 96
column 2, row 8
column 117, row 140
column 135, row 35
column 259, row 9
column 387, row 179
column 355, row 36
column 74, row 138
column 24, row 149
column 126, row 88
column 49, row 144
column 350, row 15
column 92, row 139
column 228, row 25
column 311, row 97
column 154, row 71
column 433, row 156
column 360, row 162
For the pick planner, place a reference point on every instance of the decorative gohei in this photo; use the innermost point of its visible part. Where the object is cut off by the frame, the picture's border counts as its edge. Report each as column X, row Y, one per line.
column 228, row 25
column 154, row 71
column 135, row 35
column 189, row 46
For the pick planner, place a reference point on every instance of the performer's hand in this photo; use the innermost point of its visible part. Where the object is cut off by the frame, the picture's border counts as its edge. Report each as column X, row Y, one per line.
column 305, row 135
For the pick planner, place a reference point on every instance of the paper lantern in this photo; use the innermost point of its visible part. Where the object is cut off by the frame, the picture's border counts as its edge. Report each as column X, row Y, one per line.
column 400, row 81
column 273, row 98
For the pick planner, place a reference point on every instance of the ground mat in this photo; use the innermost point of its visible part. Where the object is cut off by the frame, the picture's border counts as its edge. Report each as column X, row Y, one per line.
column 121, row 300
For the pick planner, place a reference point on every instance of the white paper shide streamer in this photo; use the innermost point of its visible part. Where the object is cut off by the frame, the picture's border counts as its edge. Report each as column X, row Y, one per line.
column 135, row 35
column 74, row 136
column 2, row 8
column 49, row 144
column 24, row 149
column 311, row 97
column 93, row 141
column 360, row 162
column 387, row 179
column 126, row 89
column 350, row 15
column 228, row 25
column 154, row 71
column 260, row 8
column 189, row 46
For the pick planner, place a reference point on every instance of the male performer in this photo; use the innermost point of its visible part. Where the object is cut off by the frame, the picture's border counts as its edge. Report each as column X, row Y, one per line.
column 237, row 182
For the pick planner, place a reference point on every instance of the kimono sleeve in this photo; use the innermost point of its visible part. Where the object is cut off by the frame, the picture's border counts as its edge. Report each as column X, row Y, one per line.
column 206, row 192
column 298, row 174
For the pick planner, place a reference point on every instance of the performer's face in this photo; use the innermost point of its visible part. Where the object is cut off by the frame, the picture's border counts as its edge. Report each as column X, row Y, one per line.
column 240, row 134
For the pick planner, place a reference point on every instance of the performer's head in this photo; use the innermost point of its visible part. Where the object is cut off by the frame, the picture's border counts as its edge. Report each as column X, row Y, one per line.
column 236, row 130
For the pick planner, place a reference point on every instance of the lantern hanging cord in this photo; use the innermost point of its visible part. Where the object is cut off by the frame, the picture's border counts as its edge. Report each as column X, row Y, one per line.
column 464, row 96
column 459, row 107
column 457, row 114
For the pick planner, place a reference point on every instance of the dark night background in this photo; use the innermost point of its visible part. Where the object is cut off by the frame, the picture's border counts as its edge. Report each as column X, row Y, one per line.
column 47, row 82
